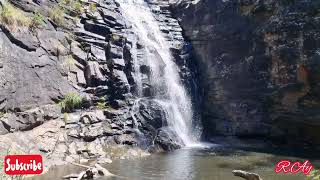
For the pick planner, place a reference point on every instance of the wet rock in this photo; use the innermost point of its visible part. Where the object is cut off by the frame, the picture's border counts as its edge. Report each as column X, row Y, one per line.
column 168, row 140
column 121, row 80
column 145, row 69
column 246, row 175
column 151, row 113
column 91, row 173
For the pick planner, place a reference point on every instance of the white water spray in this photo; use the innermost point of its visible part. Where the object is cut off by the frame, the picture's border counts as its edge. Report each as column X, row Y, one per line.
column 166, row 84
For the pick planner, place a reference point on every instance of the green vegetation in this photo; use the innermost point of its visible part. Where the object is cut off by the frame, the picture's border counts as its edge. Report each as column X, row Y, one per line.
column 314, row 175
column 93, row 7
column 71, row 102
column 101, row 105
column 65, row 117
column 56, row 14
column 37, row 21
column 72, row 7
column 13, row 17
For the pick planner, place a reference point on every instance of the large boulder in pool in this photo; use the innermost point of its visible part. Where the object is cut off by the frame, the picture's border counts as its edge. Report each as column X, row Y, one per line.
column 151, row 113
column 167, row 140
column 152, row 122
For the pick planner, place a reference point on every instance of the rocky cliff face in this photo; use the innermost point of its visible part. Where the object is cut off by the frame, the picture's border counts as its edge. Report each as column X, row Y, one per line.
column 259, row 62
column 85, row 48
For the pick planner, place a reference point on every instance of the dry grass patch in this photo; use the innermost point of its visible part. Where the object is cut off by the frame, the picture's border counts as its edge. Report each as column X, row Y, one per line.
column 56, row 14
column 13, row 17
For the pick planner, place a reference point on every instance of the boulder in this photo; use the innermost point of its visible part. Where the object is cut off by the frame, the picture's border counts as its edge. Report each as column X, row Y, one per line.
column 246, row 175
column 167, row 140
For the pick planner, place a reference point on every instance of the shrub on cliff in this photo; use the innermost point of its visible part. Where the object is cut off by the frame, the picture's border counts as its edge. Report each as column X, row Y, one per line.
column 72, row 7
column 13, row 17
column 37, row 20
column 71, row 102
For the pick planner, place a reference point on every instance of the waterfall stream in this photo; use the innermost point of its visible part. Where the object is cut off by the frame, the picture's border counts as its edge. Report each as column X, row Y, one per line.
column 164, row 79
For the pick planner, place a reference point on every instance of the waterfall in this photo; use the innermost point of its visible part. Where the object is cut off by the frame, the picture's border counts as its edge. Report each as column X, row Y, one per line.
column 167, row 88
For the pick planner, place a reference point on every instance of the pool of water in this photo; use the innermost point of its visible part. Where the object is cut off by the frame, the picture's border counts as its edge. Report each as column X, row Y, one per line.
column 193, row 164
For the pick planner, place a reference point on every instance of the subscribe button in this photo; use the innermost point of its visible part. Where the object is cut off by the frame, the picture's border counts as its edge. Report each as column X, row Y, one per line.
column 23, row 164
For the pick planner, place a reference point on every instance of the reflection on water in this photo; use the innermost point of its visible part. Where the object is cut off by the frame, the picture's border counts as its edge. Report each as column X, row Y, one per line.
column 192, row 164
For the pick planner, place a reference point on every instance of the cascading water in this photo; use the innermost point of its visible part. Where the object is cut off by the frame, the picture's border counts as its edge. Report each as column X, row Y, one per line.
column 167, row 89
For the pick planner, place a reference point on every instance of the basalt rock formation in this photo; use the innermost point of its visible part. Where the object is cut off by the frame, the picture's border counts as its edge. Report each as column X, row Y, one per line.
column 87, row 51
column 259, row 66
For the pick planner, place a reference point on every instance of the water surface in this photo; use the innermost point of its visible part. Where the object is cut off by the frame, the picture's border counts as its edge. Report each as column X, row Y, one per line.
column 193, row 164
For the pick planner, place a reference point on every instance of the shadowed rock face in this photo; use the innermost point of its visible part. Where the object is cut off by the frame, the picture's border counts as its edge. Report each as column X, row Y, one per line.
column 259, row 63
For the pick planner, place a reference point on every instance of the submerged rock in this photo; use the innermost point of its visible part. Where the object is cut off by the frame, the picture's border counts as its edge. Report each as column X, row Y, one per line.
column 246, row 175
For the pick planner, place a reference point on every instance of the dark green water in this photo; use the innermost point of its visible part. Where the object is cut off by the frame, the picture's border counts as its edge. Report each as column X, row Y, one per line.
column 193, row 164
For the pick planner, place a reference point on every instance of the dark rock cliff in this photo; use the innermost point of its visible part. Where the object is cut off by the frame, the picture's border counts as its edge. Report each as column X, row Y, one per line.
column 84, row 48
column 260, row 66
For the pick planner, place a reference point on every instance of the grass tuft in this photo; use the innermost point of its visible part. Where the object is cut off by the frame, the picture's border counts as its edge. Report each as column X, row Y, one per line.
column 37, row 21
column 56, row 14
column 101, row 105
column 93, row 7
column 71, row 102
